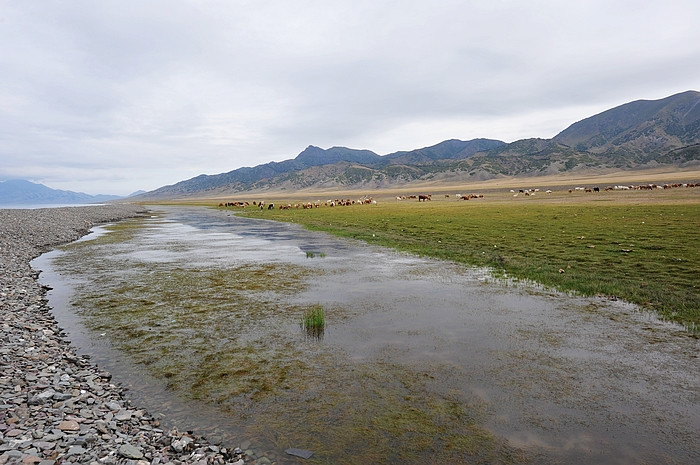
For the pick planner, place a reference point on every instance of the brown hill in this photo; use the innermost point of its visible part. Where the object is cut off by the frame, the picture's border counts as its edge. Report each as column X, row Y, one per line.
column 638, row 135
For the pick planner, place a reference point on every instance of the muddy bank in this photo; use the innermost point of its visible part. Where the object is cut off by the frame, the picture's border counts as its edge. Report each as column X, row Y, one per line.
column 57, row 407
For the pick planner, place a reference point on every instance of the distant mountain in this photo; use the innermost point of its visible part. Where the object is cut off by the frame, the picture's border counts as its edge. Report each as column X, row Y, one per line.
column 20, row 192
column 242, row 178
column 337, row 166
column 452, row 149
column 644, row 125
column 640, row 134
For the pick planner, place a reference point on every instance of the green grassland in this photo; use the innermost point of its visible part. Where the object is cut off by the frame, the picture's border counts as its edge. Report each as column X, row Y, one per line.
column 645, row 250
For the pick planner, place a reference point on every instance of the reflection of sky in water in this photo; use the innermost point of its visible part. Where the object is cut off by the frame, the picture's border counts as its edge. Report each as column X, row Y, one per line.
column 169, row 242
column 533, row 355
column 206, row 241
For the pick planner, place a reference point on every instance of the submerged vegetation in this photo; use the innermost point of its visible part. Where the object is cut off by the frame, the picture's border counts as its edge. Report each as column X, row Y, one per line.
column 226, row 335
column 645, row 253
column 147, row 309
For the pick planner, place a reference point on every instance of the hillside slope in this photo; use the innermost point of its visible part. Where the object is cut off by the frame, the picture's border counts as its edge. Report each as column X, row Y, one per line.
column 639, row 134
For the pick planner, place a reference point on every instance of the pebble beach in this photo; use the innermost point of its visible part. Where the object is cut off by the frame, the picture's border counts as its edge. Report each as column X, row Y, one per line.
column 57, row 407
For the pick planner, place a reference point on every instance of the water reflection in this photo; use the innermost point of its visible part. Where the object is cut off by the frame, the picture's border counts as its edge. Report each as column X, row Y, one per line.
column 416, row 353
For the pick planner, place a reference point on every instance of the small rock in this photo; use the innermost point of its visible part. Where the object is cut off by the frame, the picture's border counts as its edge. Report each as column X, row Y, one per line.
column 44, row 445
column 178, row 446
column 69, row 425
column 304, row 454
column 75, row 450
column 130, row 452
column 124, row 415
column 31, row 460
column 113, row 406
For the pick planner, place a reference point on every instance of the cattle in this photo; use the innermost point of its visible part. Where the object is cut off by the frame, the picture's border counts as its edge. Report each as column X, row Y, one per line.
column 424, row 198
column 271, row 206
column 596, row 189
column 235, row 204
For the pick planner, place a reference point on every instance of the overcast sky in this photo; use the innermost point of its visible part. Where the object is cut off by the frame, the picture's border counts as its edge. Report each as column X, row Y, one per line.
column 108, row 97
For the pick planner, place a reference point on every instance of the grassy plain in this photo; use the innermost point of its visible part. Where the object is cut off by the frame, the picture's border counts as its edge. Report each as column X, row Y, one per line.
column 640, row 246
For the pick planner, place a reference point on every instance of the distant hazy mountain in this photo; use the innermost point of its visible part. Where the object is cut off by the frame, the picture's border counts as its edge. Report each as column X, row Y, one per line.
column 20, row 192
column 640, row 134
column 139, row 192
column 330, row 167
column 241, row 178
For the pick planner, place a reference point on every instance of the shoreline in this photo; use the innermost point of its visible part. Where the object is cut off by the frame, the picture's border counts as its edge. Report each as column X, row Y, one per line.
column 57, row 407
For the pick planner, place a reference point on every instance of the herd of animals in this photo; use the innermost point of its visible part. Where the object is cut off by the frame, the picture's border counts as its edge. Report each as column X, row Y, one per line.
column 368, row 200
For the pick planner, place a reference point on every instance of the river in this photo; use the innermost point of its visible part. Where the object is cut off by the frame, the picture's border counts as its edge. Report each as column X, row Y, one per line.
column 198, row 312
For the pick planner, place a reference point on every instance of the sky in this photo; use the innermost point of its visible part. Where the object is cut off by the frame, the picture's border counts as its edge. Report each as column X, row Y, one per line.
column 111, row 97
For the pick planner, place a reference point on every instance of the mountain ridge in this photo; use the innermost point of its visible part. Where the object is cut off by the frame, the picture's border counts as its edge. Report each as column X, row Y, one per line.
column 635, row 135
column 22, row 192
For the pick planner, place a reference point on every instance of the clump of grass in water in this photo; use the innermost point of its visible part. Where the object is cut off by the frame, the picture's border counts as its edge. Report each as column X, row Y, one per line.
column 314, row 321
column 311, row 254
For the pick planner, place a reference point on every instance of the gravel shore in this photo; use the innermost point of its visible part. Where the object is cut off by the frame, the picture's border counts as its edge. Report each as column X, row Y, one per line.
column 57, row 407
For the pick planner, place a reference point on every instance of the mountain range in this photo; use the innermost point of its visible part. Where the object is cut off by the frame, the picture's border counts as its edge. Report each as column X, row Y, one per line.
column 637, row 135
column 21, row 192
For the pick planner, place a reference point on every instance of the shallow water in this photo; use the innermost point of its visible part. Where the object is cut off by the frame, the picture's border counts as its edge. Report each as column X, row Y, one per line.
column 198, row 312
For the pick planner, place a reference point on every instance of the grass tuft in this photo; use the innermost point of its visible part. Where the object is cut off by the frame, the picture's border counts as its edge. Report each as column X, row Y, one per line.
column 312, row 254
column 314, row 321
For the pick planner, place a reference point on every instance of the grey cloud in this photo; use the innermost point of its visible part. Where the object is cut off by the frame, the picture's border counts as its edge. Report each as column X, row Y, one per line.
column 180, row 88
